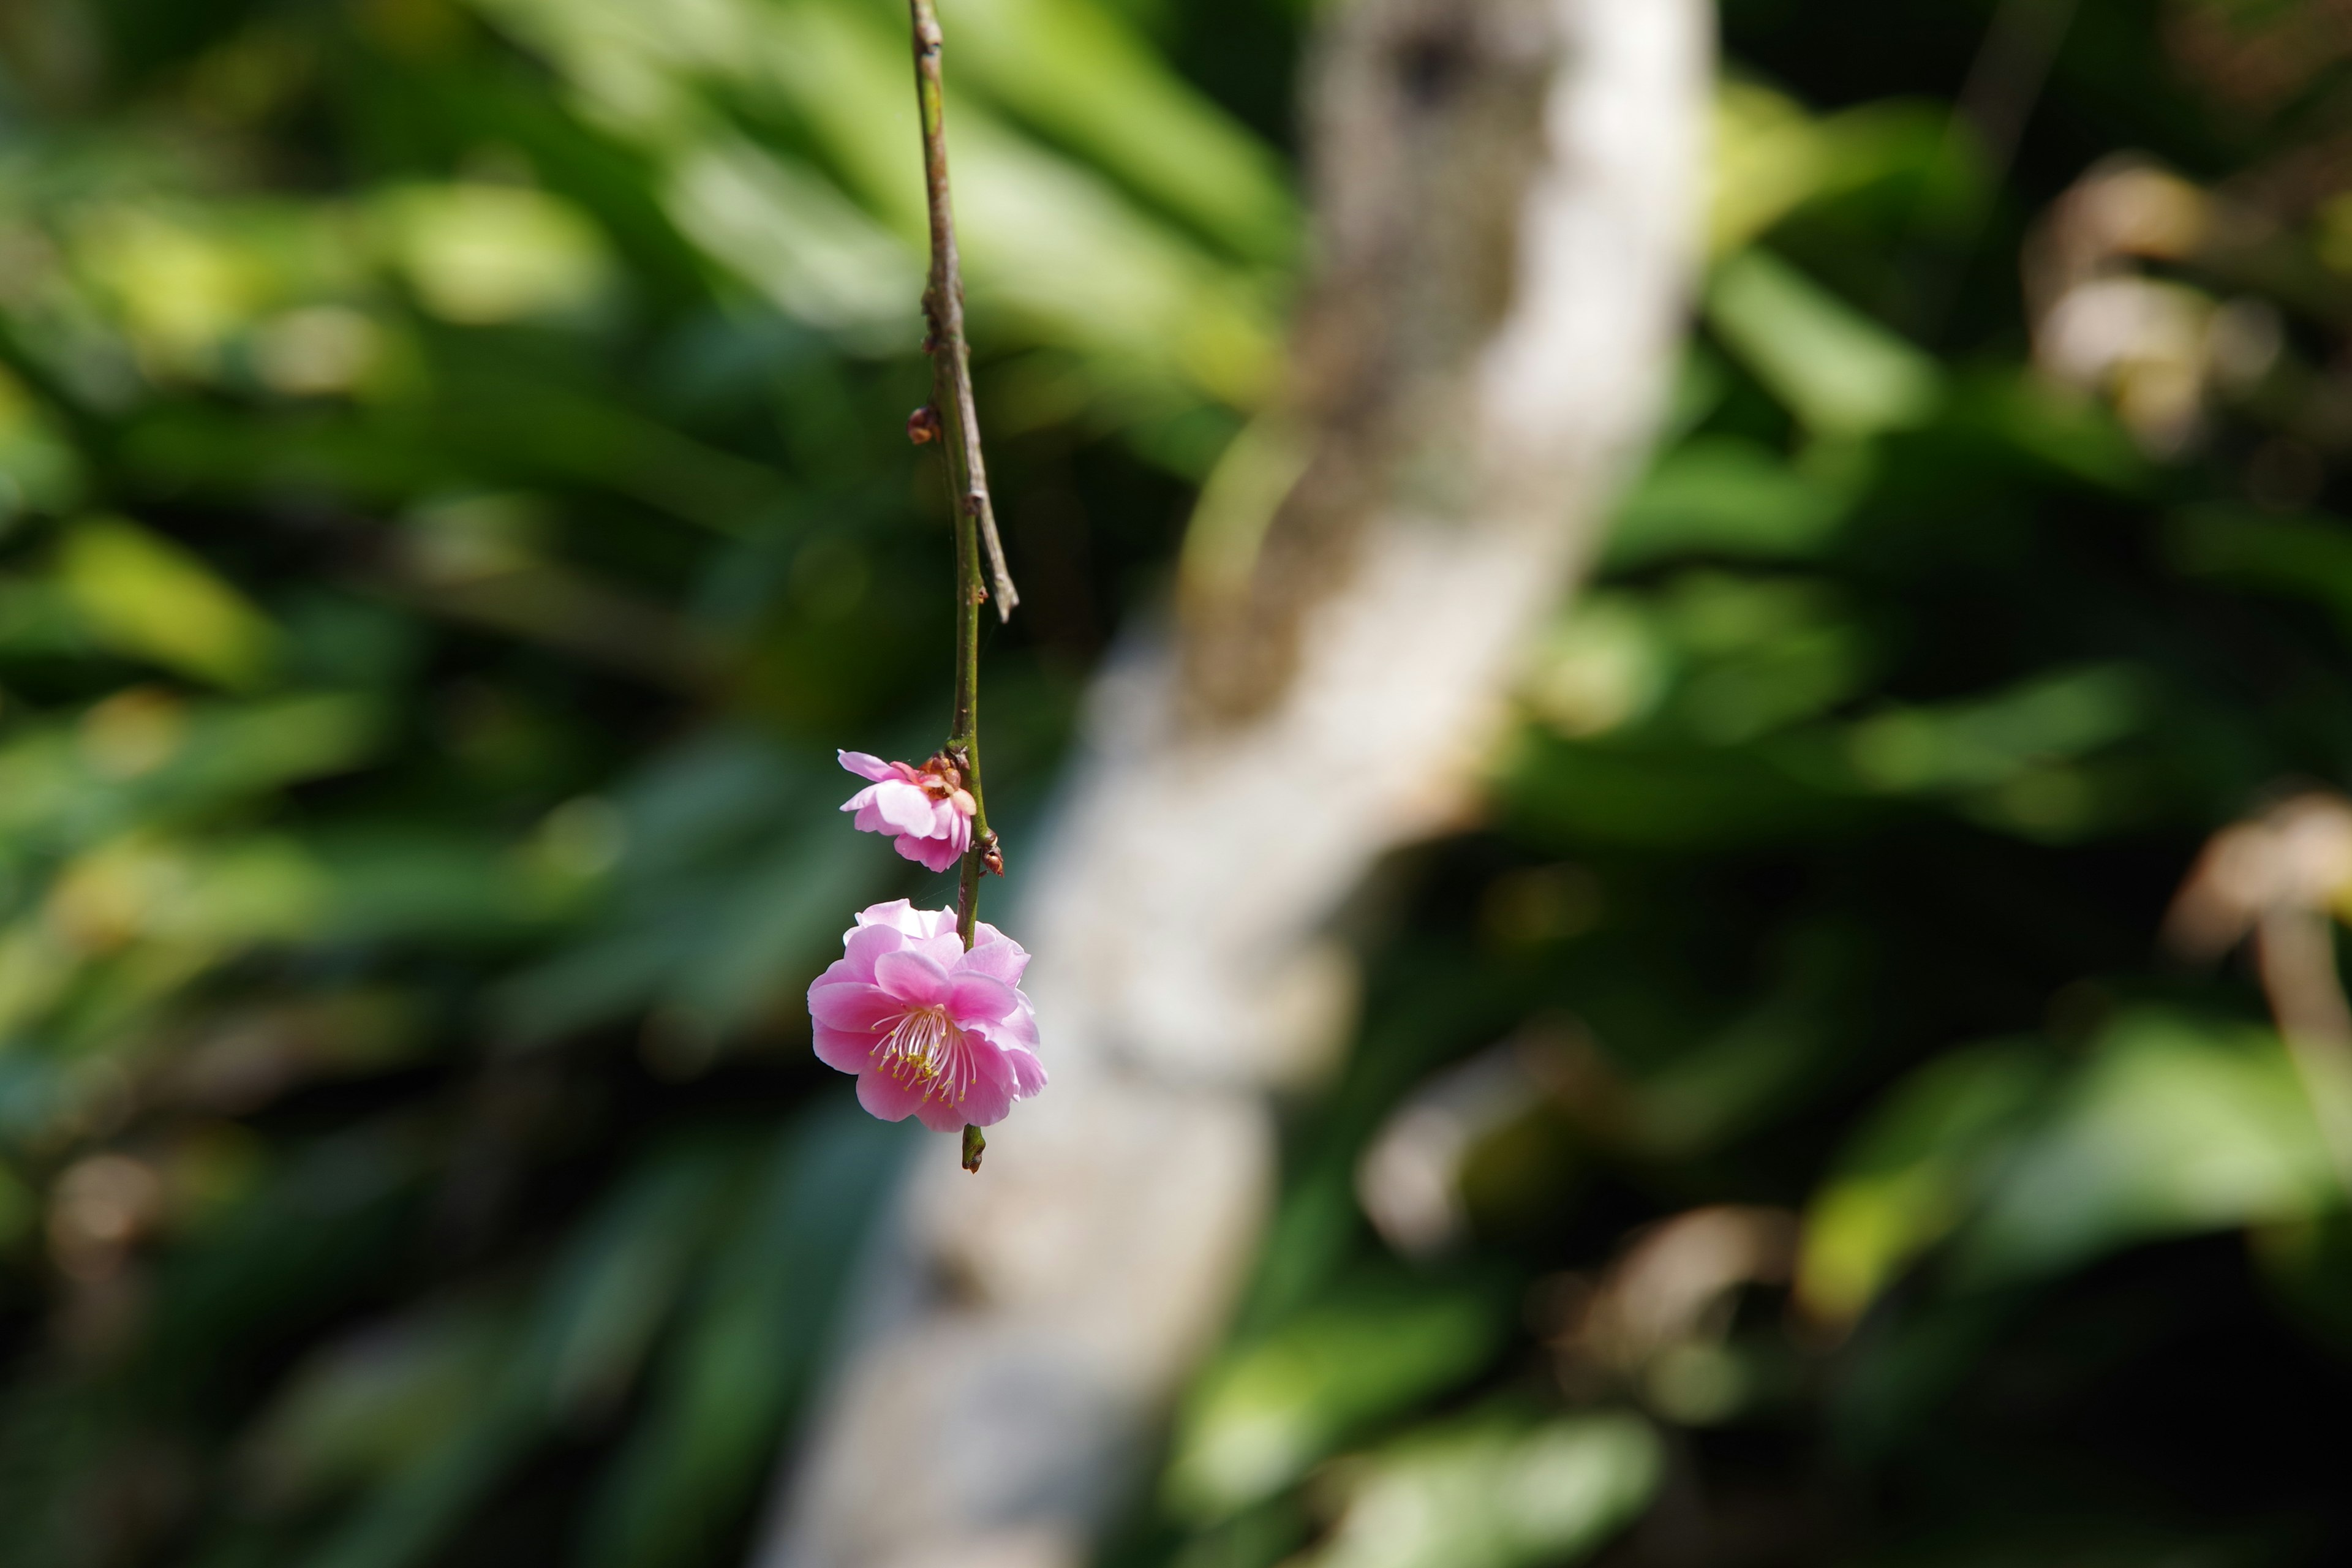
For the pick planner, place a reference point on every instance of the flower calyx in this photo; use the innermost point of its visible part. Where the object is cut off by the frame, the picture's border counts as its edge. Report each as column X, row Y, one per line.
column 943, row 779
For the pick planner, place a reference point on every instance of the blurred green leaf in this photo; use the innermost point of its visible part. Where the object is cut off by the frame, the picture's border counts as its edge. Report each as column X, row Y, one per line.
column 1839, row 372
column 1072, row 68
column 38, row 468
column 149, row 598
column 142, row 757
column 1724, row 496
column 483, row 254
column 1057, row 254
column 713, row 912
column 1916, row 1171
column 751, row 1349
column 1773, row 158
column 1966, row 746
column 1276, row 1406
column 2174, row 1125
column 569, row 1359
column 2307, row 558
column 1493, row 1493
column 373, row 1403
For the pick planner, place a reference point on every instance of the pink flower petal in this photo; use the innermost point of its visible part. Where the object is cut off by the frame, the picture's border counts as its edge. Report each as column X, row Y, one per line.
column 845, row 1051
column 1028, row 1073
column 887, row 1098
column 1016, row 1031
column 946, row 949
column 931, row 854
column 987, row 1102
column 866, row 766
column 953, row 828
column 995, row 956
column 898, row 915
column 977, row 999
column 848, row 1005
column 912, row 978
column 865, row 945
column 938, row 1117
column 906, row 808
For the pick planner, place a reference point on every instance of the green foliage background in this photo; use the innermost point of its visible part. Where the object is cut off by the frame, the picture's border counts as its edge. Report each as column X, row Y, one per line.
column 455, row 498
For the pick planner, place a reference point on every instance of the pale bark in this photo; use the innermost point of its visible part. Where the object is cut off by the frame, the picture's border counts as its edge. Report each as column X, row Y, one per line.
column 1507, row 198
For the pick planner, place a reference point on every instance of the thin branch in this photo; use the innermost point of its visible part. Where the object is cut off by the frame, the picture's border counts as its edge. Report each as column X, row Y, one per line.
column 958, row 420
column 943, row 313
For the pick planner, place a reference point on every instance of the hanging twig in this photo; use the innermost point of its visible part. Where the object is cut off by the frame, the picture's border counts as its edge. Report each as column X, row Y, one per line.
column 943, row 315
column 953, row 414
column 1159, row 1143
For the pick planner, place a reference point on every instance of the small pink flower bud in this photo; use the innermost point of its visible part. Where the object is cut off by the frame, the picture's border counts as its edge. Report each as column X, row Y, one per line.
column 927, row 816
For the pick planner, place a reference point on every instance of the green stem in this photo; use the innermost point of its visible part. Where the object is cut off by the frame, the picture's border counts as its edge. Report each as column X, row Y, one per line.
column 963, row 739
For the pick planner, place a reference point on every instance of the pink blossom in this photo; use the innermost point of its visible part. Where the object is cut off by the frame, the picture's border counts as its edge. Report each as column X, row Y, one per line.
column 927, row 809
column 930, row 1030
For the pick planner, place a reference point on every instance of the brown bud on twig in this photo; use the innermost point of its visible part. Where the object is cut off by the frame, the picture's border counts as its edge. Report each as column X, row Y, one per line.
column 923, row 425
column 991, row 853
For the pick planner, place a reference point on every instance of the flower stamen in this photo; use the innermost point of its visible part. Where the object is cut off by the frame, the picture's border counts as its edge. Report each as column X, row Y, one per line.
column 926, row 1050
